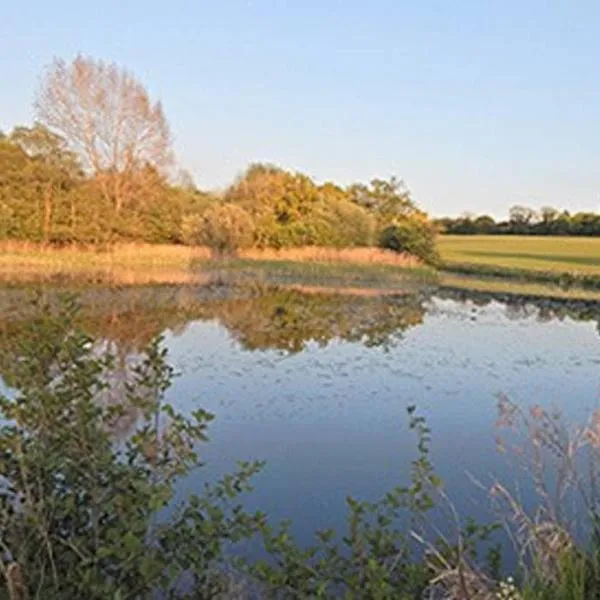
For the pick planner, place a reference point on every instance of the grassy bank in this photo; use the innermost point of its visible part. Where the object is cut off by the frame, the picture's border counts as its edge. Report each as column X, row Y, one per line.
column 359, row 268
column 523, row 253
column 454, row 281
column 564, row 262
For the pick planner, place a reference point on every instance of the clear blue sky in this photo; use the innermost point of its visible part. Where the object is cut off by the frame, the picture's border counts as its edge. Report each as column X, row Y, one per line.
column 476, row 104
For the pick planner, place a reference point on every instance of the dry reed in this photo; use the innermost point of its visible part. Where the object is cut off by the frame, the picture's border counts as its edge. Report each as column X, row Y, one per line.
column 170, row 253
column 363, row 256
column 121, row 254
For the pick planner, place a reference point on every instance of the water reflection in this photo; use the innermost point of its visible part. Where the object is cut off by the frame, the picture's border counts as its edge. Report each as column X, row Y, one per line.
column 317, row 384
column 259, row 318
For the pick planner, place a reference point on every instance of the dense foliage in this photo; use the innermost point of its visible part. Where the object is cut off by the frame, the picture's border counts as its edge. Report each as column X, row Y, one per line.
column 414, row 236
column 80, row 511
column 97, row 168
column 525, row 221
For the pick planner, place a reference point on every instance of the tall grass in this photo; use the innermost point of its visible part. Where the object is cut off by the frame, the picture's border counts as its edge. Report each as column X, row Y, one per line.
column 160, row 254
column 362, row 256
column 85, row 256
column 132, row 264
column 557, row 542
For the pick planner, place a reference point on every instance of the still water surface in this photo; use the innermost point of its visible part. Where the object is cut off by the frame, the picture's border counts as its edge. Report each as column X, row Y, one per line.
column 331, row 421
column 318, row 386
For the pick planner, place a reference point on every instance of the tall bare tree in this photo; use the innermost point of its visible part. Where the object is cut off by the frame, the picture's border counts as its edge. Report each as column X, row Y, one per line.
column 106, row 116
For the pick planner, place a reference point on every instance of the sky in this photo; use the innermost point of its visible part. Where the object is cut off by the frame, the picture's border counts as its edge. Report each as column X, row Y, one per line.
column 476, row 105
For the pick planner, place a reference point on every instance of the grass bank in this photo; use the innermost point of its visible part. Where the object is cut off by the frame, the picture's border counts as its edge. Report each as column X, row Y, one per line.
column 559, row 261
column 356, row 268
column 522, row 288
column 524, row 253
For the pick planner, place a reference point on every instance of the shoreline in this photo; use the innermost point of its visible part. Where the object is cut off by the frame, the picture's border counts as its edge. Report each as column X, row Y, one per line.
column 318, row 268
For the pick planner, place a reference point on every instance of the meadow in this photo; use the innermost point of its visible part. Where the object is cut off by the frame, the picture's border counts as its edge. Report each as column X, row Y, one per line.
column 535, row 253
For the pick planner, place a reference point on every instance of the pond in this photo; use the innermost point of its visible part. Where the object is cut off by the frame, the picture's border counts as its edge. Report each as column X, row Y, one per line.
column 317, row 384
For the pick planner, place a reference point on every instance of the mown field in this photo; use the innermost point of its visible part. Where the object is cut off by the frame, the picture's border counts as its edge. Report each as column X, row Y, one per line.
column 535, row 253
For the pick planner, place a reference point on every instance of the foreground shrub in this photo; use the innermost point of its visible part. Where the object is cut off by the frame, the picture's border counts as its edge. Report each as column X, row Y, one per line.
column 87, row 506
column 377, row 558
column 80, row 512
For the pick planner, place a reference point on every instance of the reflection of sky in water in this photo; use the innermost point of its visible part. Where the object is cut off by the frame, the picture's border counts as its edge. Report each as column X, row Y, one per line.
column 332, row 421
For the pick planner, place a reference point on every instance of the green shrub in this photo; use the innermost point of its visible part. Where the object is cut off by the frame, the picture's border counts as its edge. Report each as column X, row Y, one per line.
column 225, row 228
column 80, row 512
column 346, row 225
column 414, row 236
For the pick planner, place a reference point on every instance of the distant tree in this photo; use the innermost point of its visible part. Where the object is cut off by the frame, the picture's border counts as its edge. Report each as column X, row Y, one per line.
column 465, row 224
column 484, row 224
column 562, row 224
column 386, row 198
column 548, row 214
column 585, row 224
column 521, row 218
column 106, row 116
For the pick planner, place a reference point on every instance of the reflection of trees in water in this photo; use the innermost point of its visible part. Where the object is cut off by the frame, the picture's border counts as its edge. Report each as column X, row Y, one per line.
column 517, row 311
column 521, row 307
column 124, row 321
column 288, row 320
column 258, row 318
column 121, row 323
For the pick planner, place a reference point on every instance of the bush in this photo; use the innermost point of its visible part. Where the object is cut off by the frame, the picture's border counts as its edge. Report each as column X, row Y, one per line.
column 192, row 229
column 349, row 225
column 413, row 236
column 225, row 228
column 82, row 515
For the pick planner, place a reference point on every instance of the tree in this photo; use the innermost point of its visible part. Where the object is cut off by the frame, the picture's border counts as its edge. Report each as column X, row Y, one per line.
column 185, row 180
column 521, row 218
column 56, row 168
column 226, row 228
column 387, row 199
column 413, row 236
column 107, row 118
column 548, row 214
column 39, row 143
column 290, row 209
column 484, row 224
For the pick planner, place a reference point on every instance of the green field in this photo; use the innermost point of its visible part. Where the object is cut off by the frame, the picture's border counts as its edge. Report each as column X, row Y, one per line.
column 527, row 253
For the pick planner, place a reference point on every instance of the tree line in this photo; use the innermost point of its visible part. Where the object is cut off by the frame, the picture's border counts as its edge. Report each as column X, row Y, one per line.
column 97, row 167
column 523, row 220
